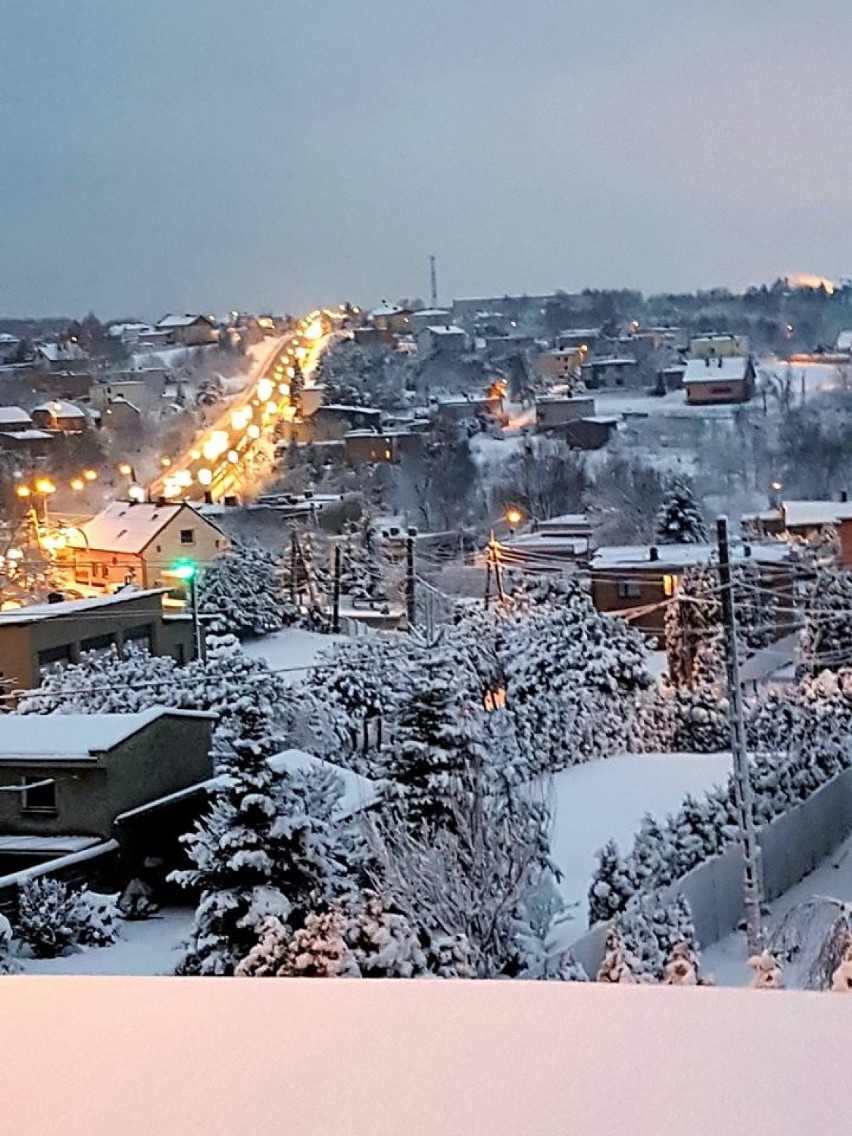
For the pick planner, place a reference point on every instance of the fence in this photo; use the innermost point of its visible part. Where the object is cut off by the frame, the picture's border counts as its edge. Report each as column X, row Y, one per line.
column 791, row 846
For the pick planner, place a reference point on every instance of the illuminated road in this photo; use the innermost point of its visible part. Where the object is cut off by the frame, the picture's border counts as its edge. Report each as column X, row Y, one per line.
column 235, row 453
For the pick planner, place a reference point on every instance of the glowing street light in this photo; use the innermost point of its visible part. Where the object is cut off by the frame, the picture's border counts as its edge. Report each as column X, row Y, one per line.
column 514, row 516
column 125, row 469
column 45, row 486
column 77, row 484
column 23, row 491
column 90, row 474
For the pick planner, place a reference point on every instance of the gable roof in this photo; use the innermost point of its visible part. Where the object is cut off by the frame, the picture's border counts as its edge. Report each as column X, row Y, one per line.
column 126, row 527
column 14, row 414
column 60, row 408
column 186, row 320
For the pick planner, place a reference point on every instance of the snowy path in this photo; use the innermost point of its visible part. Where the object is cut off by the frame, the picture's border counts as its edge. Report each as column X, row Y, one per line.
column 725, row 961
column 606, row 799
column 146, row 947
column 291, row 650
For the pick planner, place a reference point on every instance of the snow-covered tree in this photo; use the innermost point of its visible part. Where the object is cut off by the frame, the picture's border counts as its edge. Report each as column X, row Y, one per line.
column 679, row 519
column 8, row 962
column 681, row 968
column 651, row 929
column 694, row 641
column 827, row 621
column 617, row 964
column 233, row 854
column 241, row 594
column 361, row 573
column 767, row 972
column 95, row 918
column 612, row 886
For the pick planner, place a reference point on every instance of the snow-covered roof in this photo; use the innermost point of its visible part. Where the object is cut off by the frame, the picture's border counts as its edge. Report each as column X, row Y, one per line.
column 60, row 408
column 70, row 609
column 358, row 792
column 565, row 521
column 124, row 527
column 421, row 312
column 117, row 330
column 678, row 556
column 73, row 736
column 47, row 845
column 388, row 310
column 611, row 361
column 805, row 514
column 26, row 435
column 10, row 415
column 186, row 320
column 445, row 329
column 563, row 544
column 7, row 338
column 721, row 368
column 56, row 352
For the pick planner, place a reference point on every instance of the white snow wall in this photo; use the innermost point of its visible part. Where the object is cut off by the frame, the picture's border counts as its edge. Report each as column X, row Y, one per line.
column 791, row 846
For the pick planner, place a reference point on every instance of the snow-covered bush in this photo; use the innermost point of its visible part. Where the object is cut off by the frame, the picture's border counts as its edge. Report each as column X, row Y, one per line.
column 46, row 917
column 8, row 962
column 95, row 918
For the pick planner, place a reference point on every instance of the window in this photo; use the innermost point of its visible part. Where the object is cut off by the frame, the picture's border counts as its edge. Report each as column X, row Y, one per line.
column 97, row 645
column 54, row 656
column 628, row 590
column 41, row 797
column 187, row 536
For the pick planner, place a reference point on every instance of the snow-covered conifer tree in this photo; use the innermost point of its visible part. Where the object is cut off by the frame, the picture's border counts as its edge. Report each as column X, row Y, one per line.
column 618, row 962
column 44, row 917
column 241, row 593
column 679, row 519
column 612, row 886
column 827, row 621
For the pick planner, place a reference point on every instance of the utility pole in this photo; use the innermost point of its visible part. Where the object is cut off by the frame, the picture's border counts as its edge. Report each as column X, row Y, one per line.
column 294, row 561
column 433, row 283
column 489, row 557
column 742, row 778
column 410, row 596
column 335, row 612
column 196, row 619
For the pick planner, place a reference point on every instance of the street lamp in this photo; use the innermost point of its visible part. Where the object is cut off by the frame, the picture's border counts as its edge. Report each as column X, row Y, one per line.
column 90, row 474
column 187, row 570
column 514, row 516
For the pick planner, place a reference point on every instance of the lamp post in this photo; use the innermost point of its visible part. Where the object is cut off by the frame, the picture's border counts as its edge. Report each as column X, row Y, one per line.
column 187, row 571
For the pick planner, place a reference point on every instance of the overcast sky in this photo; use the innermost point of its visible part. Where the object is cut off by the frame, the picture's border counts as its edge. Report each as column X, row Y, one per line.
column 209, row 154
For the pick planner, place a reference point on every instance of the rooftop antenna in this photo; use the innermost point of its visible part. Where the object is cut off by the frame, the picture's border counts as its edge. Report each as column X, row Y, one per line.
column 433, row 283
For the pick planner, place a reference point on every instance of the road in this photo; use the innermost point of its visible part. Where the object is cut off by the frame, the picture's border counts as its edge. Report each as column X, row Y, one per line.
column 234, row 454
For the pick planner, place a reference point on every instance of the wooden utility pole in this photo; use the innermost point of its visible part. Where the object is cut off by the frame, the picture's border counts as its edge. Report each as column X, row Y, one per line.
column 294, row 565
column 410, row 580
column 489, row 555
column 742, row 778
column 335, row 612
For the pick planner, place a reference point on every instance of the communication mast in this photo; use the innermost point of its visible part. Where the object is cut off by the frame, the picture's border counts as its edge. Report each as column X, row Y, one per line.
column 433, row 282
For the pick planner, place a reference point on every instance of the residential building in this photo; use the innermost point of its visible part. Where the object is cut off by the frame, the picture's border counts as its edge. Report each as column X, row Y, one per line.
column 99, row 778
column 366, row 446
column 449, row 409
column 32, row 443
column 723, row 379
column 642, row 578
column 670, row 378
column 9, row 344
column 805, row 520
column 142, row 541
column 441, row 339
column 61, row 415
column 589, row 433
column 578, row 338
column 551, row 543
column 329, row 423
column 612, row 372
column 191, row 330
column 555, row 413
column 373, row 337
column 422, row 318
column 712, row 345
column 14, row 418
column 129, row 333
column 391, row 318
column 42, row 635
column 62, row 357
column 560, row 364
column 121, row 414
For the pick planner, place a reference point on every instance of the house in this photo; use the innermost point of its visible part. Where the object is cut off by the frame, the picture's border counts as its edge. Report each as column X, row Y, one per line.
column 9, row 345
column 642, row 578
column 463, row 409
column 612, row 372
column 589, row 433
column 565, row 539
column 712, row 345
column 121, row 414
column 578, row 338
column 189, row 330
column 360, row 446
column 62, row 357
column 560, row 364
column 373, row 338
column 61, row 415
column 329, row 423
column 14, row 418
column 129, row 333
column 31, row 443
column 670, row 378
column 391, row 318
column 555, row 413
column 441, row 339
column 97, row 779
column 143, row 541
column 422, row 318
column 806, row 520
column 721, row 379
column 42, row 635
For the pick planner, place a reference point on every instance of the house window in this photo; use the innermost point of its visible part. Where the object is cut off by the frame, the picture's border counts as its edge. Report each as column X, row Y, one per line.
column 98, row 645
column 628, row 590
column 187, row 536
column 141, row 636
column 52, row 657
column 39, row 795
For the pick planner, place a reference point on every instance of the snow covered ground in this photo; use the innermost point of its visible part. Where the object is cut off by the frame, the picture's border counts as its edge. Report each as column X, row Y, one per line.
column 605, row 799
column 147, row 946
column 292, row 650
column 725, row 961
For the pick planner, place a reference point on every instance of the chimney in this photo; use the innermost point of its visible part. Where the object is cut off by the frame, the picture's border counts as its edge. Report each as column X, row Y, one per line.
column 706, row 360
column 844, row 496
column 746, row 551
column 720, row 362
column 653, row 553
column 161, row 502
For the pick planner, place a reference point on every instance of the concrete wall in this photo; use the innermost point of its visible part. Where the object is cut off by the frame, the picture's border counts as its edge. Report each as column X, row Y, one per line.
column 792, row 845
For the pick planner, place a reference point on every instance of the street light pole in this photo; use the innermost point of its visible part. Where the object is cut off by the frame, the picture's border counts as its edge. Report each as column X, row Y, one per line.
column 196, row 618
